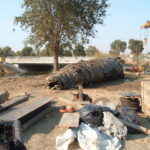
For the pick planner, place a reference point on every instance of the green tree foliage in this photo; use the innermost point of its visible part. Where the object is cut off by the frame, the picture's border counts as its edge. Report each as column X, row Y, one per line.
column 6, row 51
column 67, row 53
column 91, row 50
column 136, row 46
column 79, row 50
column 117, row 47
column 18, row 53
column 47, row 52
column 26, row 51
column 59, row 23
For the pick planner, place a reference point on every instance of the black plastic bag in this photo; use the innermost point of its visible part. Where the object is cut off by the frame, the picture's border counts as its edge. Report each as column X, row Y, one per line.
column 91, row 114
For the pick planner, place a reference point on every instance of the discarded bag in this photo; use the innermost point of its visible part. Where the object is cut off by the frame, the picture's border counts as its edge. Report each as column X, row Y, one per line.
column 130, row 115
column 91, row 114
column 110, row 136
column 90, row 138
column 63, row 141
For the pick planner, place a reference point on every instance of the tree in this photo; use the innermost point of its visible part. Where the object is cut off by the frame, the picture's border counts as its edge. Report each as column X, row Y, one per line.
column 46, row 52
column 91, row 50
column 18, row 53
column 136, row 46
column 63, row 52
column 26, row 51
column 117, row 47
column 79, row 50
column 67, row 53
column 6, row 51
column 59, row 23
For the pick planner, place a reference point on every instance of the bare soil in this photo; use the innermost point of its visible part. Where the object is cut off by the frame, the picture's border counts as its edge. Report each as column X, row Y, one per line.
column 42, row 135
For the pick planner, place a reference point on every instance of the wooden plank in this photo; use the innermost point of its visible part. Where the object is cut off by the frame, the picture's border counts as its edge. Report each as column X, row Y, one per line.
column 13, row 102
column 70, row 120
column 16, row 114
column 3, row 96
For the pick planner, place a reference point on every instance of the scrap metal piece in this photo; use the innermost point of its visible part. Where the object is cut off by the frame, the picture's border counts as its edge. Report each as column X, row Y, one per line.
column 80, row 96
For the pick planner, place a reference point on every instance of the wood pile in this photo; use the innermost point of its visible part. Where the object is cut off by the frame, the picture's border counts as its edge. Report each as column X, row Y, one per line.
column 86, row 73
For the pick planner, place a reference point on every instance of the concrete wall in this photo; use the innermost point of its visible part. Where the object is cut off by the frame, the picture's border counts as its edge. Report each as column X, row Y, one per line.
column 43, row 60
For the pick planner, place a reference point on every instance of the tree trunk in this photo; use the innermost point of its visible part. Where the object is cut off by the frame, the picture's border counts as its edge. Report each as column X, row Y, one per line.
column 56, row 62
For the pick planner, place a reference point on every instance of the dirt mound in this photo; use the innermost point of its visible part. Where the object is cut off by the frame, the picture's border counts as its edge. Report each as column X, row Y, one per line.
column 6, row 70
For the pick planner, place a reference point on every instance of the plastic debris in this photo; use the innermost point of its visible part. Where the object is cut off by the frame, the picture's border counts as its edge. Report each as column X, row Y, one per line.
column 91, row 114
column 63, row 141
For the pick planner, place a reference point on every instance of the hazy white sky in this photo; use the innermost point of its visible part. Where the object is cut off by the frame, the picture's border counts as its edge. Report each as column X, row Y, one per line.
column 123, row 21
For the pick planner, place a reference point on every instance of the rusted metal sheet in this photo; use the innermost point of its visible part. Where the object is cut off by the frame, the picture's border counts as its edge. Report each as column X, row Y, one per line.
column 145, row 94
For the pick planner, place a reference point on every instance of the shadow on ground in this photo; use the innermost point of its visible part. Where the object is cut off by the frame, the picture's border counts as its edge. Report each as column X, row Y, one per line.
column 44, row 126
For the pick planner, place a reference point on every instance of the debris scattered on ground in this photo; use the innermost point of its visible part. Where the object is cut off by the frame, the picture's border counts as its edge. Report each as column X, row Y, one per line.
column 7, row 69
column 86, row 73
column 76, row 100
column 66, row 109
column 128, row 114
column 14, row 121
column 91, row 114
column 80, row 96
column 102, row 128
column 130, row 99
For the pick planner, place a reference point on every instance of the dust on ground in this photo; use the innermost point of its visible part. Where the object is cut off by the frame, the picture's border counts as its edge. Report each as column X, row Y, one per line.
column 42, row 135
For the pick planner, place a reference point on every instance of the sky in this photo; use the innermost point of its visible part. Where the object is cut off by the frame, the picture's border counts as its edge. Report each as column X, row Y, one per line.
column 123, row 21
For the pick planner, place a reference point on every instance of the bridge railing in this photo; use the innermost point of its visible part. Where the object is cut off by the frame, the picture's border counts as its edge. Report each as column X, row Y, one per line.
column 43, row 60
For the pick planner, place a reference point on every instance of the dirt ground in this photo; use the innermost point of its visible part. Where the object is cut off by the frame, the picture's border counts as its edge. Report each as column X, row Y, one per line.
column 42, row 135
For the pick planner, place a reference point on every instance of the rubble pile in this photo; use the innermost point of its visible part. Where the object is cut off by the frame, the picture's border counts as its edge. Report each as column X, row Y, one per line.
column 98, row 126
column 86, row 73
column 100, row 129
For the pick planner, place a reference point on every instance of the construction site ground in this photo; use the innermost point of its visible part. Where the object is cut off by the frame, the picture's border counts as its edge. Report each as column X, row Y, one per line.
column 42, row 135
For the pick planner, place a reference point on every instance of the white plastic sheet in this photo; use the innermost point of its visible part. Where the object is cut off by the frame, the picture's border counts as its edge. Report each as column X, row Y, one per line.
column 107, row 137
column 91, row 138
column 63, row 141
